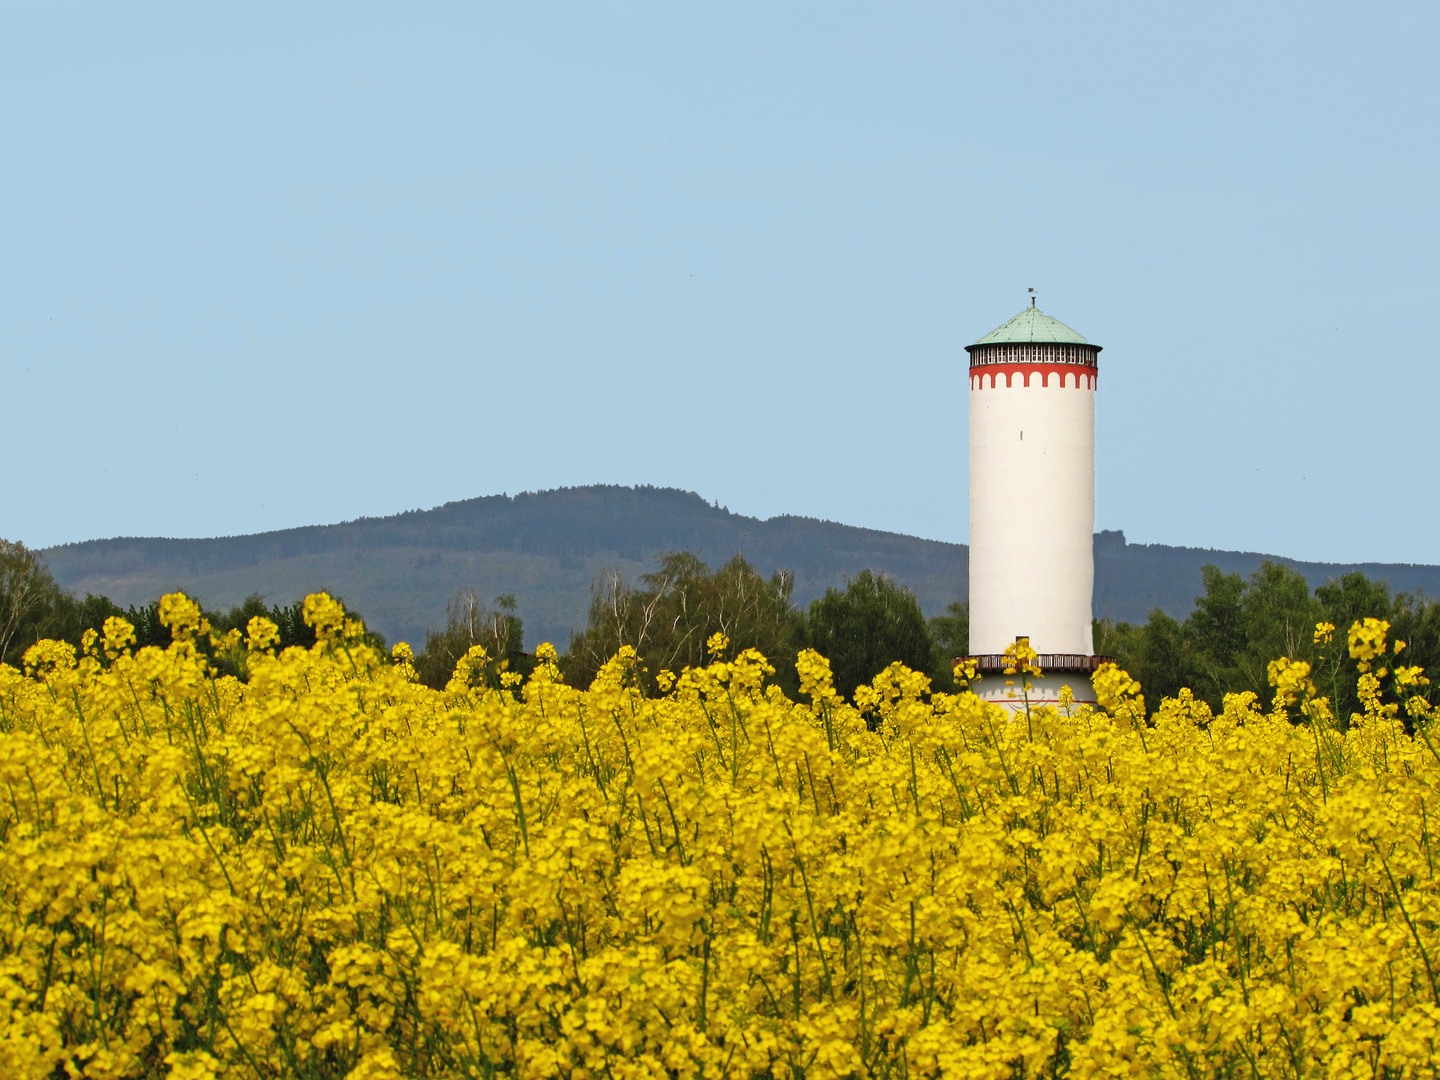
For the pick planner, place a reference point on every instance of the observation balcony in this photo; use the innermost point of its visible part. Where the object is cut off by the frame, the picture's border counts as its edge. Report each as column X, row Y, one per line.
column 996, row 663
column 1009, row 352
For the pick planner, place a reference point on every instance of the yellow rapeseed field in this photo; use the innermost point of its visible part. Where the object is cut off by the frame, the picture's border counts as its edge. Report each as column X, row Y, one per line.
column 329, row 870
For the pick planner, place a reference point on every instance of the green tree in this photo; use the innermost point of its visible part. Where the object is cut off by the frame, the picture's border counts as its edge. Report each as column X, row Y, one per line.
column 1279, row 616
column 1119, row 640
column 239, row 616
column 1238, row 626
column 949, row 639
column 950, row 633
column 869, row 626
column 32, row 606
column 1216, row 627
column 675, row 611
column 1164, row 662
column 1354, row 597
column 468, row 622
column 91, row 613
column 1158, row 654
column 289, row 619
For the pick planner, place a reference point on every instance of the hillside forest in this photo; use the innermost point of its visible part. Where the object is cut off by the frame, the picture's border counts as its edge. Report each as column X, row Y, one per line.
column 1236, row 626
column 549, row 548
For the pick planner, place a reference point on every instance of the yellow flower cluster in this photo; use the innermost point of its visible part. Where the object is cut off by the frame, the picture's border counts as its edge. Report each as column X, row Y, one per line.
column 1021, row 658
column 1367, row 641
column 330, row 870
column 1291, row 679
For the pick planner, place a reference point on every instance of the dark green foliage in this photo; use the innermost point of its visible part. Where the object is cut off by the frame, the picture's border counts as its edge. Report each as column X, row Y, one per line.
column 467, row 623
column 1412, row 620
column 289, row 619
column 1280, row 616
column 1162, row 656
column 1217, row 625
column 869, row 626
column 32, row 606
column 149, row 630
column 1121, row 641
column 1238, row 626
column 950, row 632
column 675, row 611
column 1235, row 630
column 949, row 639
column 91, row 613
column 1355, row 597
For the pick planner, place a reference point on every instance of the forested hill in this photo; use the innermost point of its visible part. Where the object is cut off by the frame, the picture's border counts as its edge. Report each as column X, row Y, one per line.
column 1131, row 579
column 547, row 548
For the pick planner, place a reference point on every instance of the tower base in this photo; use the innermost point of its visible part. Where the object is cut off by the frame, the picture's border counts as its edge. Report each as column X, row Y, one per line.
column 1044, row 689
column 1060, row 670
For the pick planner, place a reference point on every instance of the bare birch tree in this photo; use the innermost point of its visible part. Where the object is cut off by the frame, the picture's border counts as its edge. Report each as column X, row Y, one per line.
column 27, row 594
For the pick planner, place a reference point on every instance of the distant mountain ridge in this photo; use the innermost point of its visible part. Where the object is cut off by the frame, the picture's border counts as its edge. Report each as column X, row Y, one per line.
column 548, row 547
column 1133, row 579
column 545, row 547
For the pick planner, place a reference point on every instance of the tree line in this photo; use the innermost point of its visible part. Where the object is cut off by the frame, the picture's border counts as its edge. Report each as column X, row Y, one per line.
column 670, row 614
column 667, row 616
column 33, row 607
column 1224, row 646
column 1238, row 625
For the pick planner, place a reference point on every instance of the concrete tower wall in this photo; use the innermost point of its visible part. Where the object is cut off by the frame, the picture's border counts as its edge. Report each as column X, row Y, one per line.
column 1032, row 507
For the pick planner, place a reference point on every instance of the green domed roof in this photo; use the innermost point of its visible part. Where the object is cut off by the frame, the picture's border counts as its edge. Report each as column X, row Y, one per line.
column 1033, row 325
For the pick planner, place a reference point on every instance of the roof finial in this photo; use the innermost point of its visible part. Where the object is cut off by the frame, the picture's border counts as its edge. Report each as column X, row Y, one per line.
column 1032, row 297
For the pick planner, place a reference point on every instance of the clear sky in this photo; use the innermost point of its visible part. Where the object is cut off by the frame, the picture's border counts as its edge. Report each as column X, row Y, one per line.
column 280, row 264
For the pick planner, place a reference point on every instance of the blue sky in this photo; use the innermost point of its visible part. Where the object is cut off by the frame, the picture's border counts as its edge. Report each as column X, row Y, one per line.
column 273, row 265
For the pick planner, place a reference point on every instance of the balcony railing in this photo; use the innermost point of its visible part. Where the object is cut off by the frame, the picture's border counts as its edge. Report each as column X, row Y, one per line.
column 996, row 663
column 1033, row 354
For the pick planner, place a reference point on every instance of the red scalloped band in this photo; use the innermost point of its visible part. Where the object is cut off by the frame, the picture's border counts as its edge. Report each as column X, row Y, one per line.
column 1001, row 376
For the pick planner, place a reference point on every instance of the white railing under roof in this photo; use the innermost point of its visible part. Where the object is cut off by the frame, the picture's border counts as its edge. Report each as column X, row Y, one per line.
column 1032, row 353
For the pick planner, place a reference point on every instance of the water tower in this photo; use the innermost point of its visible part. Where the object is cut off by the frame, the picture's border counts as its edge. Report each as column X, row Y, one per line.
column 1032, row 503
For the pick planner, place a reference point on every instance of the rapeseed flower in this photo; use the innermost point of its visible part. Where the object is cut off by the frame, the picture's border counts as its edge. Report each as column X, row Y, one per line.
column 330, row 870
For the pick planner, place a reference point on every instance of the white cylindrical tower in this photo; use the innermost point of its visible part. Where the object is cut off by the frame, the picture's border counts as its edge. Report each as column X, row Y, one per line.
column 1032, row 501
